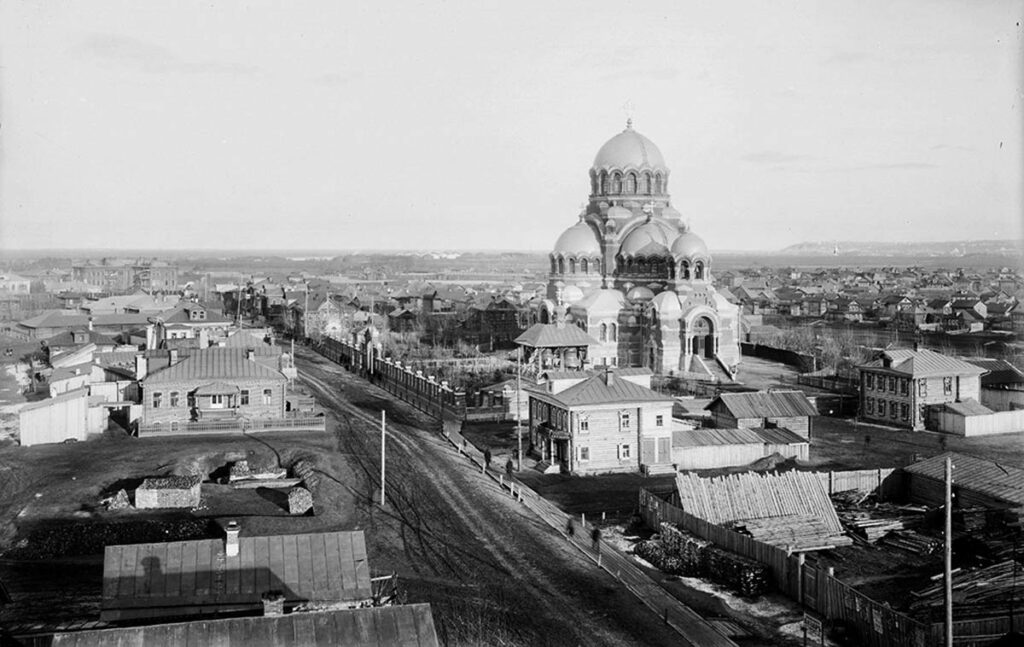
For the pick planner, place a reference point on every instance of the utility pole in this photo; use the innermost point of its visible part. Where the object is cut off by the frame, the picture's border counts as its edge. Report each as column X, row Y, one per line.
column 949, row 552
column 305, row 313
column 383, row 415
column 519, row 411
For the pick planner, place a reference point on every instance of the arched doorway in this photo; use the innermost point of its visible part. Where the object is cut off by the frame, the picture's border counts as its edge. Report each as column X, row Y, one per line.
column 703, row 338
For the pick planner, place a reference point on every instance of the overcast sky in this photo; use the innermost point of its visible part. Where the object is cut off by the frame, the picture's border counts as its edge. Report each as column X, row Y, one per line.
column 472, row 125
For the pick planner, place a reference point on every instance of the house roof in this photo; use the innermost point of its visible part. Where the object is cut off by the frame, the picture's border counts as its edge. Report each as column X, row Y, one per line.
column 555, row 336
column 765, row 404
column 180, row 578
column 214, row 364
column 410, row 624
column 1000, row 372
column 65, row 319
column 994, row 479
column 73, row 394
column 923, row 363
column 742, row 436
column 596, row 390
column 67, row 338
column 967, row 407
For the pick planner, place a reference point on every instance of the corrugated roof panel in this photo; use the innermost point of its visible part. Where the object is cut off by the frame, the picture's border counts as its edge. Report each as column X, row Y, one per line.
column 214, row 363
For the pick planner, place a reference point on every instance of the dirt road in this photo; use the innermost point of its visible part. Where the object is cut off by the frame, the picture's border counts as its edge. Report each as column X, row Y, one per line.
column 494, row 574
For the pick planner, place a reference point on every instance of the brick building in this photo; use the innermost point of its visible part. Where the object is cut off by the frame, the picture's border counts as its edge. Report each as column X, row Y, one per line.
column 898, row 388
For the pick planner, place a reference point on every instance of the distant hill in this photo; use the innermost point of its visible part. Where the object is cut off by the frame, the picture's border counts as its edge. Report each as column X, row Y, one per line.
column 950, row 249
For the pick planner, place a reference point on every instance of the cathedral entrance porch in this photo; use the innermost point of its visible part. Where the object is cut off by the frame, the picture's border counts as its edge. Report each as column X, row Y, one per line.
column 702, row 342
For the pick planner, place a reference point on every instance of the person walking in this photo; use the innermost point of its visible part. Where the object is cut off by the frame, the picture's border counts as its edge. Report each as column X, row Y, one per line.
column 487, row 458
column 570, row 529
column 508, row 468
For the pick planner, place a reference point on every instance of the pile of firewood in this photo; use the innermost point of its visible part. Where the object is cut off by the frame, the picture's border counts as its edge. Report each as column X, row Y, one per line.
column 913, row 542
column 871, row 520
column 981, row 592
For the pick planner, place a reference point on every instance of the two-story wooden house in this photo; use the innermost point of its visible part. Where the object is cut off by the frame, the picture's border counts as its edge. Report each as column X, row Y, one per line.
column 606, row 421
column 897, row 388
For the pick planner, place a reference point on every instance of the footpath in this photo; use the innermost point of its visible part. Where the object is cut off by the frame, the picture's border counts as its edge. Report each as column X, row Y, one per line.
column 694, row 629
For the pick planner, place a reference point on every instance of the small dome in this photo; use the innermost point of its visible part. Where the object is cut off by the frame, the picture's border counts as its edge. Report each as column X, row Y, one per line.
column 640, row 293
column 603, row 301
column 629, row 149
column 689, row 245
column 571, row 294
column 648, row 240
column 578, row 239
column 667, row 304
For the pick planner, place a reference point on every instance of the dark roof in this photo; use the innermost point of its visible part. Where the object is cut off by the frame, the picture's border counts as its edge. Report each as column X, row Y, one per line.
column 741, row 436
column 596, row 390
column 923, row 363
column 994, row 479
column 967, row 407
column 555, row 336
column 999, row 372
column 411, row 624
column 67, row 338
column 765, row 404
column 195, row 577
column 214, row 364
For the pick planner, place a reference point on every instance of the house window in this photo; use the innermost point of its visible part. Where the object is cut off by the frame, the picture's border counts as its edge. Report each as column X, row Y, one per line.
column 869, row 405
column 584, row 424
column 892, row 384
column 871, row 380
column 623, row 452
column 157, row 399
column 881, row 407
column 947, row 386
column 904, row 387
column 659, row 421
column 892, row 410
column 904, row 411
column 584, row 453
column 624, row 420
column 244, row 397
column 174, row 398
column 922, row 388
column 268, row 395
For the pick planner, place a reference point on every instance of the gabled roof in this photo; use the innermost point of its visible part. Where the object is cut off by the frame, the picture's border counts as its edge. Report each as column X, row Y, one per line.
column 67, row 338
column 555, row 336
column 923, row 363
column 1000, row 372
column 214, row 364
column 998, row 480
column 596, row 390
column 765, row 404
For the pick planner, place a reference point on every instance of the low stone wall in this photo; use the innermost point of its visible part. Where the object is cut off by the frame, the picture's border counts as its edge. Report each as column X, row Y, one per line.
column 169, row 492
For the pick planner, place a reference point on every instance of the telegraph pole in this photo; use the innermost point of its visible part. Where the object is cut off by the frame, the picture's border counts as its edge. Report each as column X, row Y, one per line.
column 519, row 411
column 383, row 427
column 949, row 552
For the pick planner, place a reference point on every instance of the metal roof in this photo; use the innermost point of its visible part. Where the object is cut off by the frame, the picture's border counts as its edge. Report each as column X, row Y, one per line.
column 555, row 336
column 214, row 364
column 411, row 624
column 1000, row 372
column 742, row 436
column 765, row 404
column 987, row 477
column 967, row 407
column 596, row 390
column 923, row 363
column 195, row 577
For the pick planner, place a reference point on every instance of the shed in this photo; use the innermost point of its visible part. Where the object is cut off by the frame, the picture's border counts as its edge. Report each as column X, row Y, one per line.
column 67, row 416
column 976, row 482
column 695, row 449
column 411, row 625
column 789, row 409
column 169, row 492
column 204, row 578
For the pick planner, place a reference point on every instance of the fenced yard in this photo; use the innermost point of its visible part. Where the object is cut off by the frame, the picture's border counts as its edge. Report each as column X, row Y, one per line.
column 255, row 425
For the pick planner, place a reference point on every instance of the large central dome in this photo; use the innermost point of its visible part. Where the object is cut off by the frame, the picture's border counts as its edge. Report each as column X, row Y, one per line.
column 629, row 149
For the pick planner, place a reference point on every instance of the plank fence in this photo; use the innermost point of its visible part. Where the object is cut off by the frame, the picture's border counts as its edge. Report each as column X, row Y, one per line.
column 873, row 624
column 245, row 425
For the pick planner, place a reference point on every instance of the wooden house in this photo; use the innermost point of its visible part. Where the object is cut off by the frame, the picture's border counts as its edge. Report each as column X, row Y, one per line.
column 698, row 449
column 788, row 409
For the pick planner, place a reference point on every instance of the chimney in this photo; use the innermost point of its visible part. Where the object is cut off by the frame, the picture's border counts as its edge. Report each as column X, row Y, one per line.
column 90, row 323
column 609, row 377
column 917, row 345
column 250, row 354
column 172, row 357
column 273, row 603
column 140, row 367
column 231, row 539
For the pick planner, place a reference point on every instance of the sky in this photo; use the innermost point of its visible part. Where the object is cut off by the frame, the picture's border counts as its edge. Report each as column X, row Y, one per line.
column 327, row 125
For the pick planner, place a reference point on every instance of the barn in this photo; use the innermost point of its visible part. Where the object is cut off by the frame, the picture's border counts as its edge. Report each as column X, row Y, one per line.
column 788, row 409
column 697, row 449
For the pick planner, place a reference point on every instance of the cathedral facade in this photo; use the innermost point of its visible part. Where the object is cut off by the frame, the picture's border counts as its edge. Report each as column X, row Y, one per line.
column 633, row 275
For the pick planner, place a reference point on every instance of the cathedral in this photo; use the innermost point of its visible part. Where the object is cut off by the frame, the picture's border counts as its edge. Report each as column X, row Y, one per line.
column 632, row 274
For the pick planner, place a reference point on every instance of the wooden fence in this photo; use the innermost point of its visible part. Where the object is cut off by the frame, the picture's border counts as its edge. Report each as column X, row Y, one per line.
column 253, row 425
column 816, row 588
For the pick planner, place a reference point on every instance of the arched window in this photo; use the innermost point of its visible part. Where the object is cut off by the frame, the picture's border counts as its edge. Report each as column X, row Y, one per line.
column 614, row 330
column 584, row 266
column 684, row 270
column 604, row 182
column 593, row 183
column 631, row 183
column 616, row 182
column 641, row 266
column 561, row 266
column 645, row 183
column 604, row 332
column 658, row 189
column 698, row 270
column 572, row 266
column 554, row 267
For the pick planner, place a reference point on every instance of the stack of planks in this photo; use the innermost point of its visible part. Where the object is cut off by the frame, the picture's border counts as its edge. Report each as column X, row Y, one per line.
column 989, row 591
column 796, row 532
column 913, row 542
column 875, row 520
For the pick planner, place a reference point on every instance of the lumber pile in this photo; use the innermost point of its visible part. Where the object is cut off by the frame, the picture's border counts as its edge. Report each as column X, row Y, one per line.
column 873, row 520
column 989, row 591
column 796, row 532
column 913, row 542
